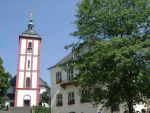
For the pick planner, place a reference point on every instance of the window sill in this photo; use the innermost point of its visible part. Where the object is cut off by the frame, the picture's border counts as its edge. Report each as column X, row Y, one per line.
column 58, row 81
column 59, row 104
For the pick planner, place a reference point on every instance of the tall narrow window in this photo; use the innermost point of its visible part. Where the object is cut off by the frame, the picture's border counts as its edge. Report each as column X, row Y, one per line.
column 58, row 77
column 27, row 82
column 70, row 74
column 71, row 98
column 28, row 63
column 29, row 47
column 59, row 100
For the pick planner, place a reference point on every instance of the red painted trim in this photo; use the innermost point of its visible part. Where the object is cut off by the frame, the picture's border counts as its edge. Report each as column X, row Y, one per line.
column 18, row 68
column 31, row 63
column 25, row 63
column 38, row 74
column 30, row 100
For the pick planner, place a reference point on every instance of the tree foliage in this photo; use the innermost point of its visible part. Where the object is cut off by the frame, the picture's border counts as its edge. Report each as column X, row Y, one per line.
column 109, row 18
column 4, row 81
column 114, row 70
column 45, row 97
column 41, row 109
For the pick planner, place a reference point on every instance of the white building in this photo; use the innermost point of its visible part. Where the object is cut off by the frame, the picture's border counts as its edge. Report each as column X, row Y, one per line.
column 26, row 86
column 28, row 69
column 65, row 96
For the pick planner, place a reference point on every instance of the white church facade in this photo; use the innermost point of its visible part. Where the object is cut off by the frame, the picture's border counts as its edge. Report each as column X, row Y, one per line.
column 26, row 86
column 28, row 70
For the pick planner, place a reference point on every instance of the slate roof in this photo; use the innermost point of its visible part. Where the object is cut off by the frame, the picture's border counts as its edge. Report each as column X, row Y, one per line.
column 13, row 81
column 42, row 82
column 62, row 61
column 10, row 96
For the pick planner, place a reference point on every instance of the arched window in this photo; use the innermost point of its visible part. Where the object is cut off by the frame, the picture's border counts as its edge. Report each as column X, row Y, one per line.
column 30, row 45
column 27, row 82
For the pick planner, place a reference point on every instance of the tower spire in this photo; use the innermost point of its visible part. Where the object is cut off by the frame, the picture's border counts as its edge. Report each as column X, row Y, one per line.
column 31, row 14
column 30, row 29
column 30, row 25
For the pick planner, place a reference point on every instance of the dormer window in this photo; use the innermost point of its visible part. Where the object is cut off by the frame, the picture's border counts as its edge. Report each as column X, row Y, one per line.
column 29, row 47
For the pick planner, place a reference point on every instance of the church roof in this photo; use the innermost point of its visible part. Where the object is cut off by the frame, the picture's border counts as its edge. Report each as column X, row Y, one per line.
column 13, row 81
column 42, row 82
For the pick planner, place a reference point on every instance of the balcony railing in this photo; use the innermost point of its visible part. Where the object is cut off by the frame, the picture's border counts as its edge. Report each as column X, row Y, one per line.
column 66, row 83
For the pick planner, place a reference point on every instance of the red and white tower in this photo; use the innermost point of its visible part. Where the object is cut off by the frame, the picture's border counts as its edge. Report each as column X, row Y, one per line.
column 28, row 71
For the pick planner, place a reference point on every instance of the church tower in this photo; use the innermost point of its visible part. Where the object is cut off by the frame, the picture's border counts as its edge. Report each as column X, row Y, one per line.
column 28, row 70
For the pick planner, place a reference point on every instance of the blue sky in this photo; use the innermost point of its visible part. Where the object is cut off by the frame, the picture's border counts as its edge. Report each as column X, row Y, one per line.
column 53, row 20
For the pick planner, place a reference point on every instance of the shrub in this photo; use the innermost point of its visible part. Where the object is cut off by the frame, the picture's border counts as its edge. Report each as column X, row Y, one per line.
column 41, row 109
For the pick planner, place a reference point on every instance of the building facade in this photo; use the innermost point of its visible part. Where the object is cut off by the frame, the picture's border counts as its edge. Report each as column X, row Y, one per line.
column 65, row 97
column 28, row 70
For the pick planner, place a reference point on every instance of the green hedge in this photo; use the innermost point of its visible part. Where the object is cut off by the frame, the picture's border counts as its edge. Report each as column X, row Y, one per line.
column 41, row 109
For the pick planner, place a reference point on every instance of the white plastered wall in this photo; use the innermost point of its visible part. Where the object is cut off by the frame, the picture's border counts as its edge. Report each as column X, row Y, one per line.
column 22, row 94
column 35, row 63
column 21, row 80
column 22, row 62
column 31, row 92
column 23, row 46
column 34, row 79
column 78, row 107
column 35, row 48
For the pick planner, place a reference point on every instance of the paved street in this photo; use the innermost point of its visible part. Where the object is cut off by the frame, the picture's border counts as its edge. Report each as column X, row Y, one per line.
column 17, row 110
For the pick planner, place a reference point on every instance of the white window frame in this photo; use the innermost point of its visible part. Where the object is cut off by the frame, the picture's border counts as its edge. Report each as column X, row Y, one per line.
column 70, row 74
column 71, row 96
column 58, row 76
column 59, row 98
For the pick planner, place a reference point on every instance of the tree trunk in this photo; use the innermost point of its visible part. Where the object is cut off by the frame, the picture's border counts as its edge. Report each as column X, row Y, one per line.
column 130, row 107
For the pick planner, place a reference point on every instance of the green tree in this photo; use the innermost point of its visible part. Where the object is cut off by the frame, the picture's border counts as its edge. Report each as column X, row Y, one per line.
column 4, row 82
column 45, row 97
column 113, row 70
column 109, row 18
column 116, row 71
column 41, row 109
